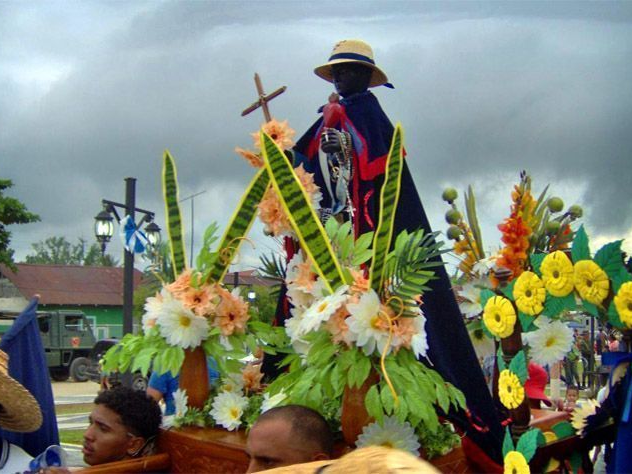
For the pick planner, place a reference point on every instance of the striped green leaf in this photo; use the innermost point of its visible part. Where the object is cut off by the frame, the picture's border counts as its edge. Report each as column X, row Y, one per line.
column 305, row 222
column 172, row 213
column 238, row 226
column 389, row 195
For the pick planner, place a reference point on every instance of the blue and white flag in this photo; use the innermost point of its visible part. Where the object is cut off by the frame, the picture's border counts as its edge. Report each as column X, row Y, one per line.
column 133, row 238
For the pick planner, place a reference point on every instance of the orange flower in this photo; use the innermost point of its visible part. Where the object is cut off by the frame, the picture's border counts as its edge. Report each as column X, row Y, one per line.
column 251, row 157
column 231, row 313
column 280, row 132
column 337, row 326
column 305, row 278
column 273, row 215
column 515, row 235
column 307, row 180
column 403, row 331
column 251, row 375
column 182, row 283
column 360, row 283
column 199, row 300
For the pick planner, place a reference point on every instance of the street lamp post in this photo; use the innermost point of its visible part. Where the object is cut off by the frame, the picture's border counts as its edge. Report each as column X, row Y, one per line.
column 104, row 230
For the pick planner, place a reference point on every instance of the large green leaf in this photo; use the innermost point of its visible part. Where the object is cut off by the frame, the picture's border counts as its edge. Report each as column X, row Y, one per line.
column 609, row 258
column 528, row 443
column 389, row 196
column 238, row 226
column 580, row 249
column 296, row 202
column 172, row 213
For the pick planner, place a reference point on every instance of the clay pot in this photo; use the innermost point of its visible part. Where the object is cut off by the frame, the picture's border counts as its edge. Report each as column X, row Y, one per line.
column 194, row 377
column 354, row 417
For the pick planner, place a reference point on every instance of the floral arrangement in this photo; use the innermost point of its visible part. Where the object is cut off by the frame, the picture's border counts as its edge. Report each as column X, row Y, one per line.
column 516, row 458
column 357, row 325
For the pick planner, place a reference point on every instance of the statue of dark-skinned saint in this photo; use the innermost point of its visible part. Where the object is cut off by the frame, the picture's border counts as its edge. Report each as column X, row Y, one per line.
column 346, row 149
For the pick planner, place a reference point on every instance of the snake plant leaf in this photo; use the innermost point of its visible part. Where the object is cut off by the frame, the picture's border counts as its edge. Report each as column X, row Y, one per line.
column 172, row 213
column 472, row 217
column 296, row 203
column 238, row 226
column 389, row 196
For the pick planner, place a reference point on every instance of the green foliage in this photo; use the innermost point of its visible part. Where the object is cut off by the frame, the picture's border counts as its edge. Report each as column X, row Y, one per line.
column 440, row 442
column 409, row 267
column 507, row 442
column 500, row 361
column 57, row 250
column 528, row 443
column 580, row 249
column 609, row 259
column 563, row 429
column 206, row 255
column 518, row 366
column 526, row 321
column 12, row 211
column 472, row 218
column 536, row 260
column 554, row 306
column 350, row 252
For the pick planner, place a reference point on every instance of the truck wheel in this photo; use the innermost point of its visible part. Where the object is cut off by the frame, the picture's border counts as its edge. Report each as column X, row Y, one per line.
column 78, row 369
column 59, row 374
column 139, row 382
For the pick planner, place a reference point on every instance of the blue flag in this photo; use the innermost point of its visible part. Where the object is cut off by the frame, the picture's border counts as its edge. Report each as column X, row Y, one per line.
column 27, row 365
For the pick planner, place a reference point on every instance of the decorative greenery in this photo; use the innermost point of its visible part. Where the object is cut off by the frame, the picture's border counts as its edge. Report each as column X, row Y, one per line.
column 12, row 211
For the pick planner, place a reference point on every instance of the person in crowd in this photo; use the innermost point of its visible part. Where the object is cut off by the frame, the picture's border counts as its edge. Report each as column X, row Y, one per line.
column 571, row 377
column 535, row 386
column 19, row 412
column 162, row 387
column 572, row 397
column 287, row 435
column 613, row 343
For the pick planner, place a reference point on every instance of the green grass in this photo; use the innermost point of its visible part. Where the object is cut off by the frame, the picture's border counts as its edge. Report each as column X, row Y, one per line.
column 74, row 408
column 71, row 436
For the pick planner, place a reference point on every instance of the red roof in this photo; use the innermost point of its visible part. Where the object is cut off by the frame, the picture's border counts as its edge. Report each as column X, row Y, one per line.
column 70, row 284
column 249, row 278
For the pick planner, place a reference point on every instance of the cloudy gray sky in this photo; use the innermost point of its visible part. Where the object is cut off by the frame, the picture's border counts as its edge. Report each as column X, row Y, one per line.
column 92, row 92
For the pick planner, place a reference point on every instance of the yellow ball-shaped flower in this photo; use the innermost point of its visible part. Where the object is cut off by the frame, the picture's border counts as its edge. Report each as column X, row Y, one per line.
column 623, row 303
column 515, row 463
column 557, row 273
column 591, row 281
column 510, row 390
column 499, row 316
column 529, row 293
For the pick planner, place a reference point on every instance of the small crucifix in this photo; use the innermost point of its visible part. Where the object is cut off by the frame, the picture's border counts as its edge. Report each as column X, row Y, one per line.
column 263, row 99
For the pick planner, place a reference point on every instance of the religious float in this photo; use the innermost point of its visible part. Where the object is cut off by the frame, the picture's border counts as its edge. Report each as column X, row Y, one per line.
column 354, row 344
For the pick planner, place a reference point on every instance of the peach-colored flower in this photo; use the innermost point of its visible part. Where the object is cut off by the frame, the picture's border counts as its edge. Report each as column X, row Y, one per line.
column 273, row 215
column 182, row 283
column 251, row 157
column 403, row 331
column 251, row 375
column 360, row 283
column 280, row 132
column 199, row 300
column 231, row 313
column 337, row 326
column 305, row 278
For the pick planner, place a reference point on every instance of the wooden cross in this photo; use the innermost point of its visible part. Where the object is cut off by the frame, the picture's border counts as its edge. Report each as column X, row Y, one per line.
column 263, row 99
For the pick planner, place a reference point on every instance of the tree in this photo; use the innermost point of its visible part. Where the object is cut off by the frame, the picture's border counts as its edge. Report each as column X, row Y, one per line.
column 12, row 211
column 59, row 251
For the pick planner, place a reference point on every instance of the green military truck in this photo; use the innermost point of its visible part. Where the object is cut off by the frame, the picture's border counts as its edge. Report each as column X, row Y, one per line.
column 67, row 338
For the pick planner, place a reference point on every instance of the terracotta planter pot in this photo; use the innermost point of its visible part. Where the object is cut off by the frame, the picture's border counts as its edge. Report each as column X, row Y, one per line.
column 194, row 377
column 354, row 416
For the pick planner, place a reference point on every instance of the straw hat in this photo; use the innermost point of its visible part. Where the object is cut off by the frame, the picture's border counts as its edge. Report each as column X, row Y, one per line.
column 19, row 411
column 352, row 51
column 369, row 460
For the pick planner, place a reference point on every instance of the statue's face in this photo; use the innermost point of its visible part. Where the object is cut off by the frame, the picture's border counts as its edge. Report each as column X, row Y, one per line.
column 350, row 78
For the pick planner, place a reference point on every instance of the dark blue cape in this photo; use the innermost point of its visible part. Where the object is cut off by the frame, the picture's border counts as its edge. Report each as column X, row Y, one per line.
column 451, row 351
column 27, row 365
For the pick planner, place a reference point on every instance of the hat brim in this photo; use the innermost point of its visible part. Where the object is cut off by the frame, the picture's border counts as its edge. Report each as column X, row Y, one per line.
column 378, row 78
column 20, row 411
column 538, row 394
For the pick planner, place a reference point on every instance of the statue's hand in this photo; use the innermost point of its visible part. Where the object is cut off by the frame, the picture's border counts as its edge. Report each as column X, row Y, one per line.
column 330, row 141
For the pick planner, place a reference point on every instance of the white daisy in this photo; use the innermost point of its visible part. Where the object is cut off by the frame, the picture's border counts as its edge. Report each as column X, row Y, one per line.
column 483, row 266
column 321, row 310
column 364, row 323
column 391, row 434
column 180, row 400
column 419, row 342
column 232, row 383
column 470, row 300
column 227, row 409
column 180, row 326
column 153, row 307
column 483, row 345
column 550, row 342
column 272, row 401
column 298, row 297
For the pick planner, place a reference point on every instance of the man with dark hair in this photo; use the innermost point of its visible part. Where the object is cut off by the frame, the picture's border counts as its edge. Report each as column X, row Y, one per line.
column 288, row 435
column 123, row 425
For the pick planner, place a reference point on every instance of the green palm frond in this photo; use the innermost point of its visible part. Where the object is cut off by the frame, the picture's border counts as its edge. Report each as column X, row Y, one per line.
column 409, row 267
column 273, row 266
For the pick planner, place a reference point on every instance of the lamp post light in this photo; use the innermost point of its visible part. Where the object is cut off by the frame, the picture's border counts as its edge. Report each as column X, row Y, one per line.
column 104, row 229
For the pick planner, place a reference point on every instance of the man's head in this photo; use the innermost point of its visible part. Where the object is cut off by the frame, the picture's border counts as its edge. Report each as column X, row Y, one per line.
column 356, row 79
column 288, row 435
column 122, row 422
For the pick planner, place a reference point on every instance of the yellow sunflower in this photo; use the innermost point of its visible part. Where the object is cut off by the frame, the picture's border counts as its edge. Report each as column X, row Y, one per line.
column 623, row 303
column 529, row 293
column 515, row 463
column 557, row 273
column 499, row 316
column 510, row 390
column 591, row 281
